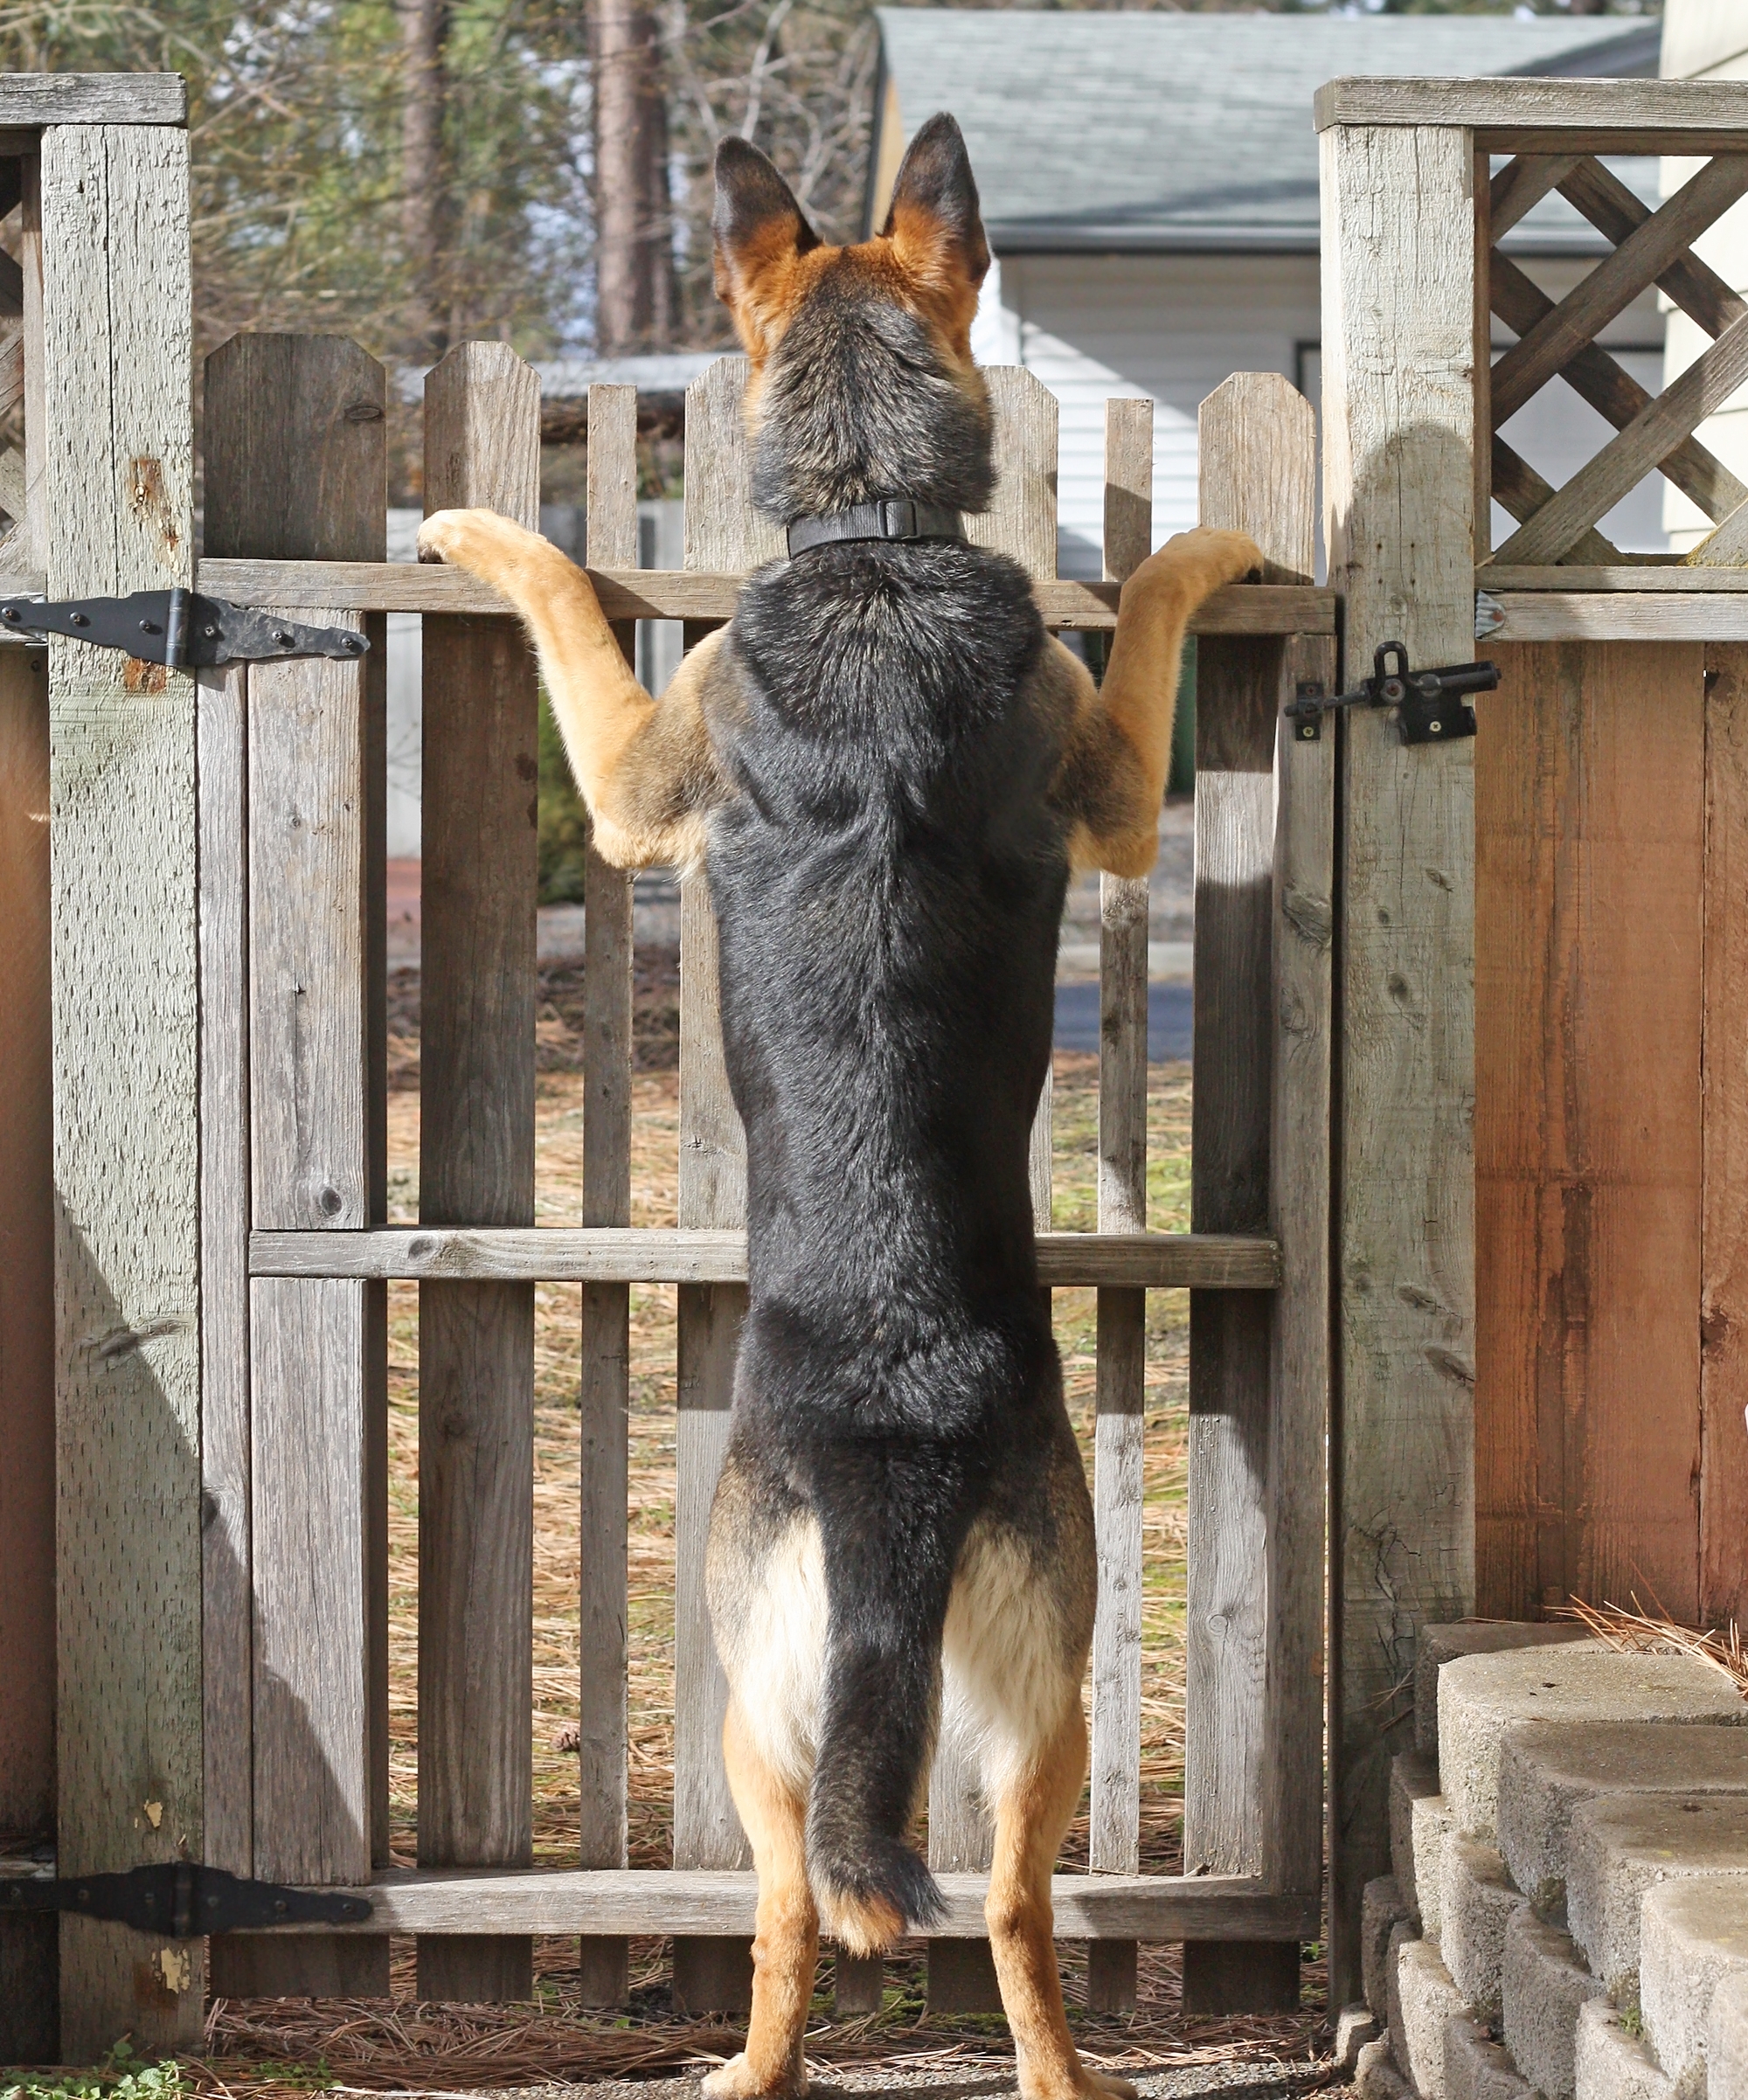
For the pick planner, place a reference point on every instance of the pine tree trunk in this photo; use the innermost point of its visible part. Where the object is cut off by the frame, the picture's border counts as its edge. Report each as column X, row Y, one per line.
column 425, row 28
column 633, row 268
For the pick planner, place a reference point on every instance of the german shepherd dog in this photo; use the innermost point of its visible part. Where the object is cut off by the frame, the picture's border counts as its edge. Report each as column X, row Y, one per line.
column 888, row 769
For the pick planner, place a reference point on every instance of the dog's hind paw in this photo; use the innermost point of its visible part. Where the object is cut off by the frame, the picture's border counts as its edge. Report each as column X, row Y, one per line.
column 738, row 2080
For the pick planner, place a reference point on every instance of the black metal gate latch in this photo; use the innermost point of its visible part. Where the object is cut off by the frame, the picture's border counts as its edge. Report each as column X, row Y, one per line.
column 180, row 1899
column 183, row 629
column 1430, row 708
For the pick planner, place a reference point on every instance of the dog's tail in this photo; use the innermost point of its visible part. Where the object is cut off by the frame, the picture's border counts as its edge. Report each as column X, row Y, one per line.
column 890, row 1535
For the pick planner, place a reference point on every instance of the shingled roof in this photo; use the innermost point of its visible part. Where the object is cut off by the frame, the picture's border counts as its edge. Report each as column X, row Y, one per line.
column 1118, row 130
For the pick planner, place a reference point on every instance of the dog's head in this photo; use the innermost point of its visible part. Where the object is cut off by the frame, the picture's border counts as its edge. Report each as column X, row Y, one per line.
column 862, row 384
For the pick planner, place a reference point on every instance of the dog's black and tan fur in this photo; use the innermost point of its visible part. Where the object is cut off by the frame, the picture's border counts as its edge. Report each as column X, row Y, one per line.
column 888, row 769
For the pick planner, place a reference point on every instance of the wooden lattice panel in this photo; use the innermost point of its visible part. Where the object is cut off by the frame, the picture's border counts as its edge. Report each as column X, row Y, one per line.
column 1557, row 340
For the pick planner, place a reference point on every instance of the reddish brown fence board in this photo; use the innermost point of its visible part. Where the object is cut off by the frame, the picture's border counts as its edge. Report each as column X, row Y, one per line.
column 1589, row 872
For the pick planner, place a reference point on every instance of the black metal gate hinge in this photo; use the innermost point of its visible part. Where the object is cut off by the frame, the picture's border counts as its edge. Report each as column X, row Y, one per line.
column 1430, row 706
column 183, row 629
column 180, row 1899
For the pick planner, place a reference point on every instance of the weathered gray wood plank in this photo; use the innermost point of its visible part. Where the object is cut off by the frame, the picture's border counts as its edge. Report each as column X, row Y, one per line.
column 29, row 1947
column 1121, row 1388
column 478, row 1000
column 723, row 532
column 604, row 1962
column 1663, row 615
column 1536, row 105
column 1147, row 1907
column 1399, row 350
column 1257, row 457
column 677, row 594
column 119, row 460
column 31, row 98
column 295, row 463
column 1152, row 1261
column 226, row 1602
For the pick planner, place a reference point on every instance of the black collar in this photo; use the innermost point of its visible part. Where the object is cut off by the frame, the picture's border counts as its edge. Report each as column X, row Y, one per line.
column 894, row 518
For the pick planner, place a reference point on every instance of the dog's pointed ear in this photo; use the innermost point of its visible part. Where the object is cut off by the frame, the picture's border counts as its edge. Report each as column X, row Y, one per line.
column 936, row 225
column 758, row 229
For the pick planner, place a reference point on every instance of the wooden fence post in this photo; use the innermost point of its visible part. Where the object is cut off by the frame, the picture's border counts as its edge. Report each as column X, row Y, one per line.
column 1257, row 473
column 1119, row 1431
column 1398, row 390
column 723, row 532
column 295, row 455
column 477, row 1008
column 28, row 2031
column 603, row 1963
column 119, row 462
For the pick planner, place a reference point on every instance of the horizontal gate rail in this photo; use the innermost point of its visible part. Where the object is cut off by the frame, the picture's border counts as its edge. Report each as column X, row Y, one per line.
column 1151, row 1261
column 676, row 1899
column 363, row 587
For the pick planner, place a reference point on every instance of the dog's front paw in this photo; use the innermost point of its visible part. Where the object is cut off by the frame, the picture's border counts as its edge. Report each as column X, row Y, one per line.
column 737, row 2080
column 477, row 540
column 1218, row 556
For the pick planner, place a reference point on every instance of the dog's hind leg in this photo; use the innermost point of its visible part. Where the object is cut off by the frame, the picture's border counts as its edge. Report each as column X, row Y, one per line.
column 785, row 1947
column 1031, row 1813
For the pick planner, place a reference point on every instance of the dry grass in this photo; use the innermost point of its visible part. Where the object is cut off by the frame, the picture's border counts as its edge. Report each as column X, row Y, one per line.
column 1640, row 1633
column 403, row 2045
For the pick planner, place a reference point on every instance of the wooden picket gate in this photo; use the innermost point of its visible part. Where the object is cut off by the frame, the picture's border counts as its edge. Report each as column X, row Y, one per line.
column 219, row 1064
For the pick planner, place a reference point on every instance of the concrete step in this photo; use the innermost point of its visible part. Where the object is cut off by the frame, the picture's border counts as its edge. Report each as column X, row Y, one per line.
column 1356, row 2025
column 1726, row 2042
column 1443, row 1644
column 1621, row 1846
column 1549, row 1769
column 1382, row 1910
column 1482, row 1697
column 1423, row 2002
column 1478, row 2068
column 1376, row 2077
column 1693, row 1937
column 1475, row 1906
column 1418, row 1824
column 1544, row 1983
column 1610, row 2061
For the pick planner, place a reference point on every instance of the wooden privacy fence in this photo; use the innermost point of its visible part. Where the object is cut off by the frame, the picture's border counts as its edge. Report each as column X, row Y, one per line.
column 222, row 1254
column 1542, row 1115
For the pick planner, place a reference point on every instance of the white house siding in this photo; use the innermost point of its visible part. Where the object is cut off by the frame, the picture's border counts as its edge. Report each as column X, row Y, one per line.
column 1173, row 327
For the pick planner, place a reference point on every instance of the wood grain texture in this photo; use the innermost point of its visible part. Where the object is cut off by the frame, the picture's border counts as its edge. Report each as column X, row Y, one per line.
column 29, row 1947
column 1302, row 1014
column 227, row 1669
column 676, row 594
column 1671, row 106
column 1021, row 523
column 31, row 99
column 722, row 531
column 312, row 1724
column 1589, row 886
column 1121, row 1337
column 1257, row 470
column 1640, row 576
column 1514, row 484
column 481, row 743
column 605, row 1390
column 1663, row 615
column 115, row 320
column 1150, row 1907
column 1398, row 370
column 1151, row 1261
column 304, row 415
column 1724, row 1250
column 1522, row 184
column 30, row 552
